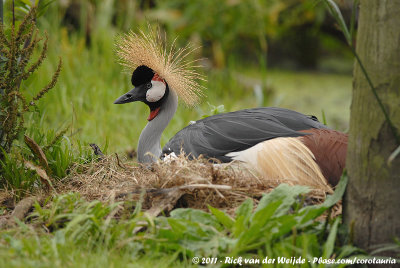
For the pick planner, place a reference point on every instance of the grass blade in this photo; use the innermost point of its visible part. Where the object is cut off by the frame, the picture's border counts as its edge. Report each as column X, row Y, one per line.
column 335, row 11
column 330, row 242
column 393, row 155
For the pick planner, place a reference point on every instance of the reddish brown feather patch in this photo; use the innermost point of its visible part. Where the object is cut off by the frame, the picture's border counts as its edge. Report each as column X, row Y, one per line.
column 156, row 77
column 329, row 148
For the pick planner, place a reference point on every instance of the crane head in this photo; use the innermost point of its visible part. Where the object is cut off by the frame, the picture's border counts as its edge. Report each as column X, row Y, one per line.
column 149, row 88
column 150, row 49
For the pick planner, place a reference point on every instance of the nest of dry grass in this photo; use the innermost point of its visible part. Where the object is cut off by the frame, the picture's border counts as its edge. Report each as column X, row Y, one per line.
column 161, row 187
column 177, row 183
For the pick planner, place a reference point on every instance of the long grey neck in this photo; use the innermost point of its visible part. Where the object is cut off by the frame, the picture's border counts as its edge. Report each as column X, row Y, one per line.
column 149, row 148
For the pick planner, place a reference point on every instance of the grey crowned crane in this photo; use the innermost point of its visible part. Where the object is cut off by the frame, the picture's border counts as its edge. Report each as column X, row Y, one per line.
column 275, row 142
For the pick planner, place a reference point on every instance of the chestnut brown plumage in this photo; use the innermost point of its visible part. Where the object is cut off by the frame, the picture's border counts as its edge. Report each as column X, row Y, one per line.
column 329, row 148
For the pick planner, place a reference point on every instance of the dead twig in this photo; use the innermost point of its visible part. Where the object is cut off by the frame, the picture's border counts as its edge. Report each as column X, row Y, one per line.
column 164, row 204
column 19, row 212
column 120, row 164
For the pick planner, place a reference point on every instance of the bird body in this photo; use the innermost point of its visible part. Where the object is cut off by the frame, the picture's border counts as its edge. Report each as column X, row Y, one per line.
column 277, row 143
column 220, row 134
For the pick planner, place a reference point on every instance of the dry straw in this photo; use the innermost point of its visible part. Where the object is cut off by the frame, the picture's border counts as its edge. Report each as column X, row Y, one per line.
column 165, row 186
column 199, row 182
column 172, row 64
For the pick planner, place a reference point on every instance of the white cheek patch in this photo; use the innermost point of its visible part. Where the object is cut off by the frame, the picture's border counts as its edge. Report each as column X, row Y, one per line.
column 156, row 92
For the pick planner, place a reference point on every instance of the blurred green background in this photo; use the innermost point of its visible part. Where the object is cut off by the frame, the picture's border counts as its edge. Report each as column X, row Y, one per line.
column 286, row 53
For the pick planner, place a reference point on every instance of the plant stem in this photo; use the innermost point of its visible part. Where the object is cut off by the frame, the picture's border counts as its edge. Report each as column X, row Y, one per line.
column 13, row 13
column 1, row 11
column 392, row 127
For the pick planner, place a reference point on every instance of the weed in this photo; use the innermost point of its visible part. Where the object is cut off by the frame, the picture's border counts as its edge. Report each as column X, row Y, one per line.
column 16, row 177
column 17, row 49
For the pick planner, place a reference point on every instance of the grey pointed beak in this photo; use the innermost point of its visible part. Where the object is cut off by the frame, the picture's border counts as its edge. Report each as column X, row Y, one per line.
column 130, row 96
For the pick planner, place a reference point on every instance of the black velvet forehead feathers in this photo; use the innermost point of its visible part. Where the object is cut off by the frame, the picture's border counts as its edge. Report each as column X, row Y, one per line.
column 141, row 75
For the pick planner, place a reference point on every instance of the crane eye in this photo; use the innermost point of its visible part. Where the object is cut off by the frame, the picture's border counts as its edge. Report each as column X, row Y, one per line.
column 149, row 85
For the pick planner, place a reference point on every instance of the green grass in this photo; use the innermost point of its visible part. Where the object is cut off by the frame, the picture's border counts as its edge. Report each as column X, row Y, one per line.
column 71, row 232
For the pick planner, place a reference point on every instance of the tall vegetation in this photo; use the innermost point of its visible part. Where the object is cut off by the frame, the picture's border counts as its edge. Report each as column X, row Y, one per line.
column 17, row 64
column 22, row 52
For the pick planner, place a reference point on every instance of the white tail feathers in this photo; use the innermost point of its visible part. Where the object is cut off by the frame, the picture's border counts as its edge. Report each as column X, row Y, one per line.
column 284, row 159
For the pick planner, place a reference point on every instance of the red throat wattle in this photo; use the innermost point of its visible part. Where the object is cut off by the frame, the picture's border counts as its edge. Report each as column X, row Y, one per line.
column 153, row 114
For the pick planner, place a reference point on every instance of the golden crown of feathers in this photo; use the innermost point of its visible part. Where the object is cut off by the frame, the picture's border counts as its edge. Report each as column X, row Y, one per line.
column 170, row 63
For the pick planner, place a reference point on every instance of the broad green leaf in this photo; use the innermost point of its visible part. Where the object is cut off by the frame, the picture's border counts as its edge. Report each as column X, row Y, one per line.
column 283, row 225
column 261, row 216
column 243, row 214
column 311, row 212
column 348, row 250
column 245, row 209
column 195, row 215
column 193, row 230
column 286, row 194
column 258, row 224
column 222, row 217
column 338, row 194
column 239, row 226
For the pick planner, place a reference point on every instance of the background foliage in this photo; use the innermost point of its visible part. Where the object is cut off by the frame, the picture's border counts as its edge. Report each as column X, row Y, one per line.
column 284, row 53
column 242, row 43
